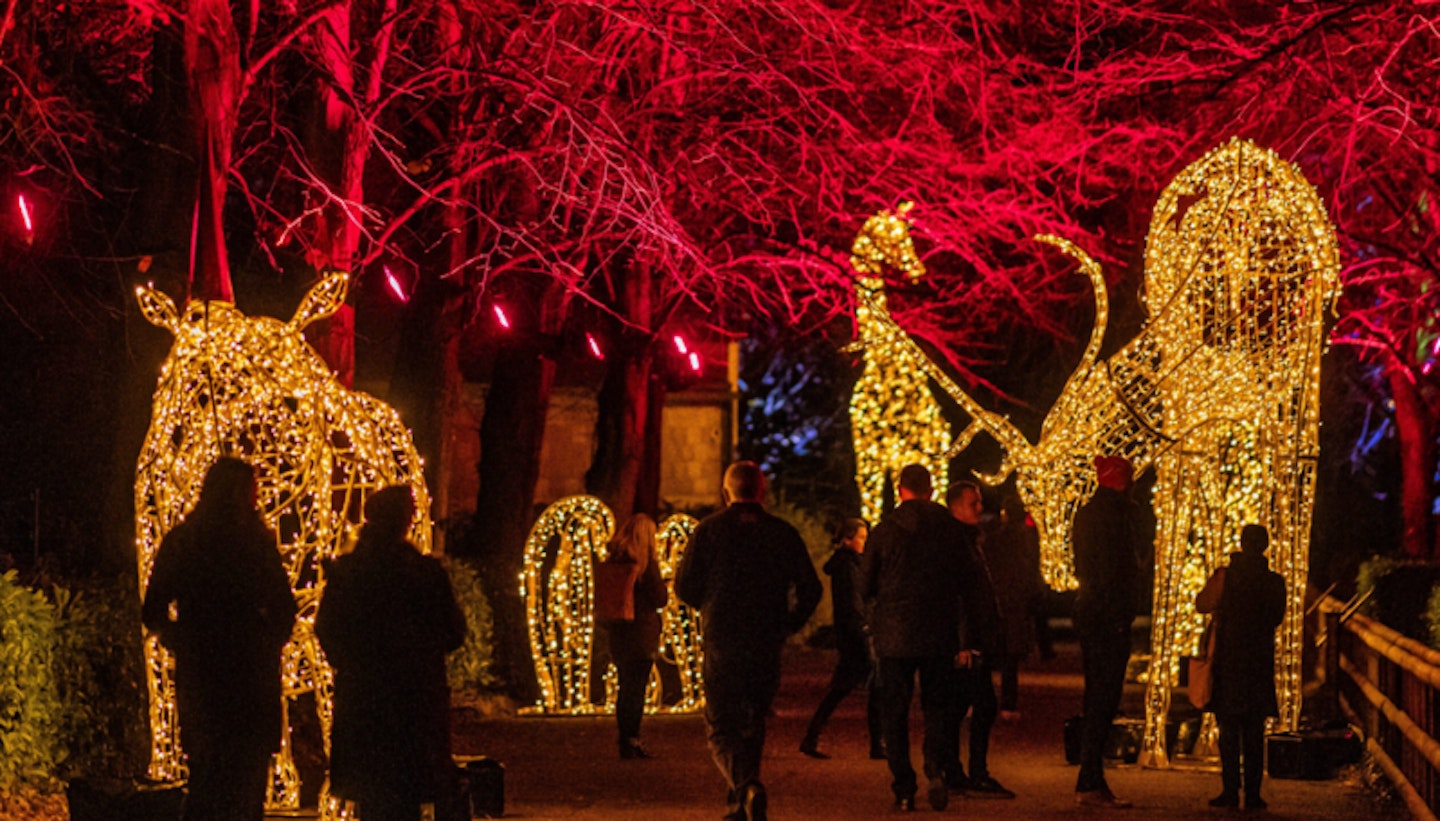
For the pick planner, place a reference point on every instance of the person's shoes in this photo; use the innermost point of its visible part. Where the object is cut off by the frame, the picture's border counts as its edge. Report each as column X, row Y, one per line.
column 903, row 803
column 987, row 787
column 1009, row 716
column 958, row 783
column 1255, row 803
column 811, row 747
column 1100, row 798
column 633, row 749
column 754, row 802
column 937, row 794
column 1225, row 799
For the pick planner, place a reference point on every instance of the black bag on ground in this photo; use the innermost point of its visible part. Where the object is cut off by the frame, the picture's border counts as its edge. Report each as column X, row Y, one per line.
column 481, row 791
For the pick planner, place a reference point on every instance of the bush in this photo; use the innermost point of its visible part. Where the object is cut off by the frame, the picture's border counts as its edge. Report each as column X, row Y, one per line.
column 471, row 667
column 99, row 670
column 71, row 701
column 31, row 714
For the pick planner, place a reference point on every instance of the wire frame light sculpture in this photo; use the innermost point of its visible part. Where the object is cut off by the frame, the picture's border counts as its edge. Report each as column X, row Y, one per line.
column 894, row 418
column 557, row 585
column 252, row 388
column 1219, row 394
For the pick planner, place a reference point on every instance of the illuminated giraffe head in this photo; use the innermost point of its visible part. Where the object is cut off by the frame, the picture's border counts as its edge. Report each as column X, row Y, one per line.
column 884, row 243
column 251, row 387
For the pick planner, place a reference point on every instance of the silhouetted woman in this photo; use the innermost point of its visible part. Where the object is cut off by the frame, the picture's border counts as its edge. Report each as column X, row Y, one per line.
column 633, row 643
column 855, row 664
column 387, row 619
column 1248, row 600
column 218, row 598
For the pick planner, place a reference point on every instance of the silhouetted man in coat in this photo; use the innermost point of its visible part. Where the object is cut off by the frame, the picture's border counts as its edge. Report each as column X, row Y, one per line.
column 218, row 598
column 982, row 642
column 1106, row 537
column 912, row 571
column 739, row 571
column 386, row 622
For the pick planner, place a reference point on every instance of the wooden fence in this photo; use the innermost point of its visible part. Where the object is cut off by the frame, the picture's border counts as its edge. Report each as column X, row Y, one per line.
column 1388, row 685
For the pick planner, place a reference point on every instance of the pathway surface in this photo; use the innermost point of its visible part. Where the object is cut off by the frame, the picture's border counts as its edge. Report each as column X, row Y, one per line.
column 568, row 767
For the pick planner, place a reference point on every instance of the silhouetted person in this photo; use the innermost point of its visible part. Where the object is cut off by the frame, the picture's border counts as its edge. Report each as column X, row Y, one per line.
column 914, row 563
column 633, row 643
column 854, row 665
column 739, row 571
column 1106, row 535
column 981, row 642
column 387, row 619
column 1248, row 600
column 219, row 600
column 1012, row 552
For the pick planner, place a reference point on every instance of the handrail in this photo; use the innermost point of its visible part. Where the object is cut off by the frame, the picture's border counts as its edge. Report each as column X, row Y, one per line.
column 1385, row 667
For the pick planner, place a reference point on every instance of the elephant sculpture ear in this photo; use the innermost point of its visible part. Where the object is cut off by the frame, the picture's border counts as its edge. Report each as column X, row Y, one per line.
column 158, row 309
column 323, row 300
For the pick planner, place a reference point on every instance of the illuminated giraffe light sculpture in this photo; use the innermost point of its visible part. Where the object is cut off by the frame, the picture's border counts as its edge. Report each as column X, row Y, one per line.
column 894, row 419
column 1219, row 394
column 557, row 584
column 252, row 387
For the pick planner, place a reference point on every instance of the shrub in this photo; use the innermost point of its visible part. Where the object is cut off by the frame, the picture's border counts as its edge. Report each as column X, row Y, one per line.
column 71, row 702
column 31, row 714
column 471, row 667
column 99, row 672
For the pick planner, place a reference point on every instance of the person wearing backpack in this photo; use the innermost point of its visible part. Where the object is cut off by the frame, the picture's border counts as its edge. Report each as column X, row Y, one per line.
column 629, row 595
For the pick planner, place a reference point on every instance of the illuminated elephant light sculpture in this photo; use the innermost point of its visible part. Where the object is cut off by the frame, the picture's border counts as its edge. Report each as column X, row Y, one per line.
column 557, row 583
column 1219, row 394
column 251, row 387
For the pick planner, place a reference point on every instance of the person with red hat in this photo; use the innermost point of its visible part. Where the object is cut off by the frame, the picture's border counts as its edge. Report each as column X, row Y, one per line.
column 1106, row 537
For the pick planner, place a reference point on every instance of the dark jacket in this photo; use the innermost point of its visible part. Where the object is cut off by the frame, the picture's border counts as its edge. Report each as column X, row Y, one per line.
column 739, row 571
column 1251, row 604
column 639, row 639
column 915, row 564
column 1106, row 550
column 234, row 613
column 980, row 624
column 847, row 606
column 386, row 622
column 1012, row 552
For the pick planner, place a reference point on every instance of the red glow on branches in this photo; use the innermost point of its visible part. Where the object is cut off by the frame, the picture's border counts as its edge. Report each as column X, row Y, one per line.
column 594, row 347
column 395, row 286
column 502, row 318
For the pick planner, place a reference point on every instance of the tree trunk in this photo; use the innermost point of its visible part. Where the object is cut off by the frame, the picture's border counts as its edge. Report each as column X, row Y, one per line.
column 511, row 434
column 338, row 147
column 647, row 491
column 620, row 431
column 212, row 61
column 624, row 398
column 1417, row 460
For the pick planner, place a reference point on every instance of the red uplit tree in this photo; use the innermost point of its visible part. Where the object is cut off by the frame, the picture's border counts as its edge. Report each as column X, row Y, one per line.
column 635, row 169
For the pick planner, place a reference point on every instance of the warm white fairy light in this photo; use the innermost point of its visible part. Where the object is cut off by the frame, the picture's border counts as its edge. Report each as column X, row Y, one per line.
column 1219, row 394
column 251, row 387
column 894, row 418
column 557, row 584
